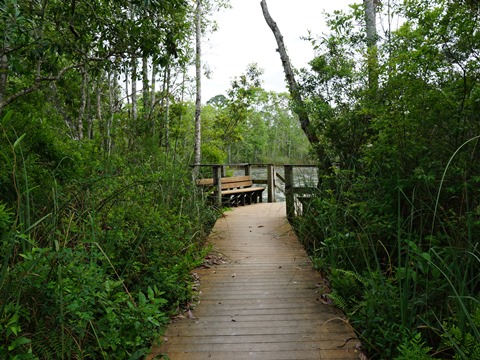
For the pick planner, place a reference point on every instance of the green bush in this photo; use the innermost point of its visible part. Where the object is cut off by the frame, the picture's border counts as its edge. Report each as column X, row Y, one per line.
column 97, row 254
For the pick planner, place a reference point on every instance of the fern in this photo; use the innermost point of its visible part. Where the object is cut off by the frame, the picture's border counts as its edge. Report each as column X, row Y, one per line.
column 348, row 287
column 339, row 301
column 414, row 348
column 49, row 344
column 465, row 343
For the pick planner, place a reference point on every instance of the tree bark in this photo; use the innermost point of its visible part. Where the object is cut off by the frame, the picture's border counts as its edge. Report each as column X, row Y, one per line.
column 98, row 97
column 113, row 82
column 198, row 83
column 299, row 106
column 153, row 98
column 134, row 88
column 372, row 56
column 154, row 84
column 146, row 88
column 83, row 103
column 167, row 109
column 290, row 77
column 3, row 76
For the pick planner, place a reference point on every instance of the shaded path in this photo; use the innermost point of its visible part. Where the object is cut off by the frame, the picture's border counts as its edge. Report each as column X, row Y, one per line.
column 262, row 301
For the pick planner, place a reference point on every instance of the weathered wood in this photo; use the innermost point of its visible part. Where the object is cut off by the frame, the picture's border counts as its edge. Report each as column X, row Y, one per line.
column 217, row 180
column 263, row 301
column 271, row 183
column 289, row 194
column 235, row 190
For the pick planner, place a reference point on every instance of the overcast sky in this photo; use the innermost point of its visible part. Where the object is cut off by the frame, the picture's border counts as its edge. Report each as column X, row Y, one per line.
column 243, row 37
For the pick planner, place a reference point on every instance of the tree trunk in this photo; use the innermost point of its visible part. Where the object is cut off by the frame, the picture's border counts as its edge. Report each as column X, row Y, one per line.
column 3, row 76
column 60, row 108
column 290, row 77
column 134, row 87
column 98, row 96
column 153, row 98
column 113, row 82
column 167, row 109
column 146, row 88
column 153, row 86
column 161, row 132
column 83, row 104
column 372, row 56
column 127, row 88
column 198, row 99
column 299, row 105
column 88, row 111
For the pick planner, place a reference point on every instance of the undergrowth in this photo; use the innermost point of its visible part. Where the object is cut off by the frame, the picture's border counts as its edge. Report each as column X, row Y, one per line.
column 96, row 255
column 404, row 263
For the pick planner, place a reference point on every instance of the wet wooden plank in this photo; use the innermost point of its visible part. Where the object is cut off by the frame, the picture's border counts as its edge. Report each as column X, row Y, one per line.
column 263, row 301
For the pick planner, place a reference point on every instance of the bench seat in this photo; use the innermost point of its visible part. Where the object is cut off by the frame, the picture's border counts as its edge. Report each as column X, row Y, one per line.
column 236, row 190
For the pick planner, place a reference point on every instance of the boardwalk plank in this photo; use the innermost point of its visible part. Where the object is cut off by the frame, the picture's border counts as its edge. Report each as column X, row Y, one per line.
column 263, row 301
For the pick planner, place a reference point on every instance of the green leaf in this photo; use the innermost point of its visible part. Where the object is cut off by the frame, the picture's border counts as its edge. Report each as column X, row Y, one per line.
column 17, row 142
column 18, row 342
column 7, row 117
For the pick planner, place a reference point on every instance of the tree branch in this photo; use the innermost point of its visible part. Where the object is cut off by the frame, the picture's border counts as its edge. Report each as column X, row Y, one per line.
column 40, row 81
column 290, row 77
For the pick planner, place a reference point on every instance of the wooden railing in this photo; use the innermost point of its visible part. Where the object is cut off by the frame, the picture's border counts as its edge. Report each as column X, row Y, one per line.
column 293, row 194
column 291, row 191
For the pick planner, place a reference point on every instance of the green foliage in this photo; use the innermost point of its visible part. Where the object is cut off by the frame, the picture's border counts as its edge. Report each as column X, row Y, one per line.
column 372, row 304
column 396, row 228
column 106, row 256
column 5, row 220
column 465, row 343
column 414, row 348
column 251, row 125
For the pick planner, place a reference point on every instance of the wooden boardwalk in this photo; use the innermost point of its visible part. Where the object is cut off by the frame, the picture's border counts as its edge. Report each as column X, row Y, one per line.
column 263, row 301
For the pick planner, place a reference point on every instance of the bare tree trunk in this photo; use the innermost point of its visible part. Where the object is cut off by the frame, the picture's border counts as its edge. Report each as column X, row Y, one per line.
column 290, row 77
column 167, row 109
column 154, row 84
column 153, row 97
column 127, row 88
column 146, row 88
column 88, row 111
column 98, row 96
column 83, row 103
column 299, row 108
column 134, row 88
column 60, row 108
column 161, row 135
column 3, row 76
column 113, row 108
column 198, row 73
column 372, row 56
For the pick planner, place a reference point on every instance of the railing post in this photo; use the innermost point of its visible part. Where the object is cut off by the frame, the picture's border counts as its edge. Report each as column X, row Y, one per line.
column 289, row 195
column 271, row 183
column 217, row 181
column 248, row 169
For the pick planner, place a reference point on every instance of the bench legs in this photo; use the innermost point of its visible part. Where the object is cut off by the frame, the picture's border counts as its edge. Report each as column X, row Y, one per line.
column 242, row 199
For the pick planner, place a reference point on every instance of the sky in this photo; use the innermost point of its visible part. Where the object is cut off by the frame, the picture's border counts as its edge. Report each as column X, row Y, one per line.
column 243, row 37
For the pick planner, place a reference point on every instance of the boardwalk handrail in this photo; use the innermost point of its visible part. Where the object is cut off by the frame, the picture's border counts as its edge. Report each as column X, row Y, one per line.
column 291, row 190
column 219, row 170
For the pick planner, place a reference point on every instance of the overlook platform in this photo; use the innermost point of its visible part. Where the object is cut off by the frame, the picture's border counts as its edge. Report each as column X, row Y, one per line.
column 259, row 298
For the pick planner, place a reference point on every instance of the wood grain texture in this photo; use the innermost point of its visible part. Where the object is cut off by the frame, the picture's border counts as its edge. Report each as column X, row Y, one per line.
column 263, row 301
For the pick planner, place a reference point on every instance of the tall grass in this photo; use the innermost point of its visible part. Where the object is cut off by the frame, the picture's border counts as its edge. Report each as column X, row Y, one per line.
column 93, row 265
column 406, row 290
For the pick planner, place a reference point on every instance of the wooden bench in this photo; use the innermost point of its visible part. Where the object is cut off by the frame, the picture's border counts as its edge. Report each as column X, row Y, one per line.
column 236, row 190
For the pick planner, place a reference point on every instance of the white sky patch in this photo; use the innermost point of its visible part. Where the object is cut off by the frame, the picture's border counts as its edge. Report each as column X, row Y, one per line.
column 243, row 37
